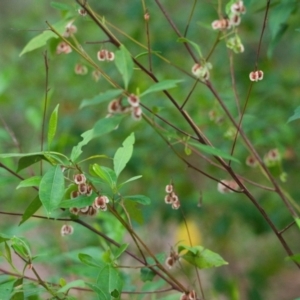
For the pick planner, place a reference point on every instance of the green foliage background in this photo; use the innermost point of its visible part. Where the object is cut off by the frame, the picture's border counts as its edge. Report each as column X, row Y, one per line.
column 228, row 224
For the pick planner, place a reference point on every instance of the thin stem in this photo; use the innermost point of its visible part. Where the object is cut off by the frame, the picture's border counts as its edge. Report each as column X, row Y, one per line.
column 190, row 18
column 45, row 106
column 189, row 94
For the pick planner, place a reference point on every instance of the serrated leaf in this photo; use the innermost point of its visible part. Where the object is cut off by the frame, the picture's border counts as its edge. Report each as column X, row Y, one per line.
column 79, row 202
column 139, row 199
column 201, row 258
column 52, row 125
column 134, row 211
column 29, row 182
column 31, row 209
column 52, row 188
column 196, row 46
column 109, row 281
column 26, row 161
column 123, row 154
column 106, row 174
column 76, row 283
column 295, row 116
column 124, row 64
column 60, row 6
column 103, row 97
column 41, row 39
column 213, row 151
column 101, row 127
column 160, row 86
column 90, row 261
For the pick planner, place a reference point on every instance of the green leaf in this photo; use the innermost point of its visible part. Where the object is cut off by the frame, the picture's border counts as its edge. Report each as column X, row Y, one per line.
column 295, row 116
column 79, row 202
column 52, row 125
column 120, row 250
column 201, row 257
column 213, row 151
column 7, row 253
column 297, row 220
column 21, row 246
column 60, row 6
column 277, row 21
column 160, row 86
column 139, row 199
column 4, row 238
column 129, row 180
column 101, row 295
column 6, row 289
column 103, row 97
column 124, row 64
column 26, row 161
column 196, row 46
column 76, row 283
column 109, row 281
column 295, row 258
column 123, row 154
column 18, row 293
column 101, row 127
column 41, row 39
column 134, row 211
column 29, row 182
column 108, row 175
column 33, row 207
column 52, row 187
column 146, row 273
column 90, row 261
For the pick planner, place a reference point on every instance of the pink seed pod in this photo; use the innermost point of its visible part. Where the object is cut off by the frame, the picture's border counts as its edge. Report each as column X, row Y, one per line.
column 80, row 69
column 110, row 56
column 238, row 8
column 114, row 106
column 169, row 188
column 133, row 100
column 63, row 47
column 92, row 211
column 176, row 204
column 82, row 12
column 74, row 210
column 168, row 199
column 66, row 230
column 192, row 295
column 251, row 161
column 184, row 297
column 96, row 75
column 101, row 55
column 146, row 16
column 136, row 113
column 256, row 75
column 70, row 29
column 84, row 210
column 79, row 178
column 221, row 24
column 100, row 202
column 232, row 186
column 89, row 190
column 170, row 262
column 273, row 155
column 235, row 20
column 74, row 194
column 82, row 188
column 200, row 71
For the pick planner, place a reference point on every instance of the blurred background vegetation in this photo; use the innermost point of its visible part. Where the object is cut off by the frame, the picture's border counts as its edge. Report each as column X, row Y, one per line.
column 227, row 224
